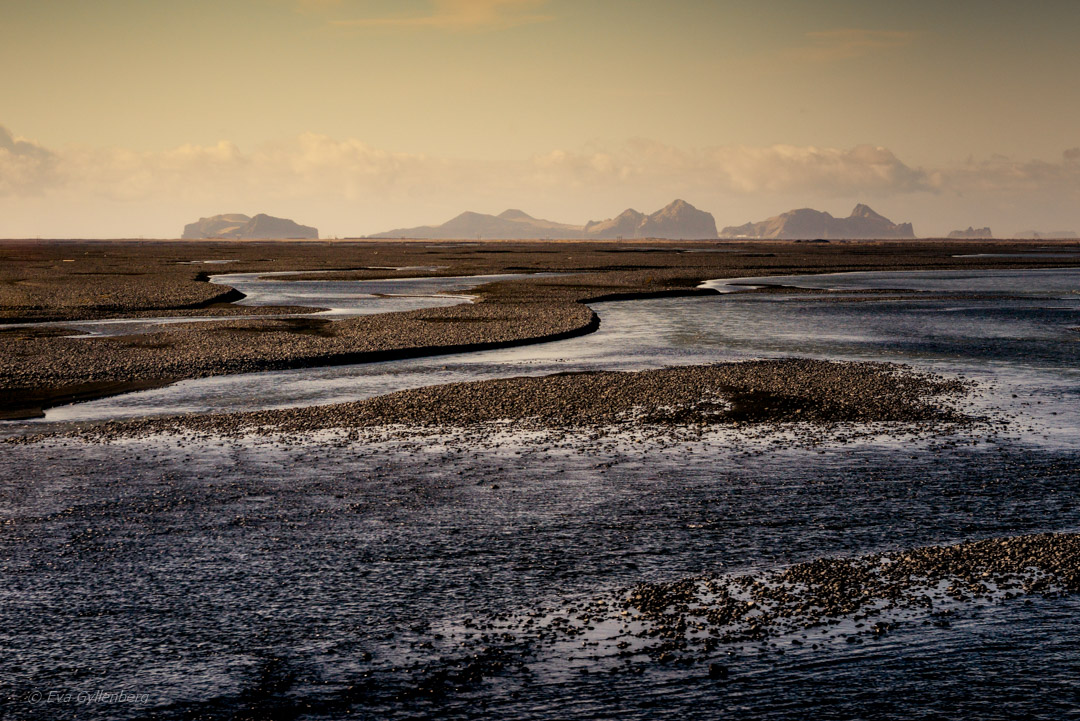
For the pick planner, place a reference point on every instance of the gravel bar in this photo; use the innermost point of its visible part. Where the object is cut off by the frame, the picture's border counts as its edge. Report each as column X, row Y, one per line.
column 747, row 392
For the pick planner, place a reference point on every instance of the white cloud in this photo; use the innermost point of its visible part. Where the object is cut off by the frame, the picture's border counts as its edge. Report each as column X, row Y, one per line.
column 312, row 164
column 305, row 166
column 1000, row 175
column 26, row 168
column 741, row 169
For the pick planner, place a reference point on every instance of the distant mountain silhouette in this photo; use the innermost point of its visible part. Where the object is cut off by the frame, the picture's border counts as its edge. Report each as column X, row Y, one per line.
column 1047, row 235
column 509, row 225
column 623, row 225
column 218, row 226
column 679, row 220
column 238, row 226
column 971, row 233
column 807, row 224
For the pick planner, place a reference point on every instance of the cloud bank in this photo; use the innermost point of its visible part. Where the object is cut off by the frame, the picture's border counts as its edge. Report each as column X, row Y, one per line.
column 315, row 175
column 313, row 164
column 741, row 169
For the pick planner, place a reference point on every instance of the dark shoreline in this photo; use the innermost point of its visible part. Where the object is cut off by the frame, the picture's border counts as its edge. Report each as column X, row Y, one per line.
column 18, row 406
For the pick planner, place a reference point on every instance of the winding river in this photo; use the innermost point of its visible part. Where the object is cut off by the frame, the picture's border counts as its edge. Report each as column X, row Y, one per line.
column 1014, row 329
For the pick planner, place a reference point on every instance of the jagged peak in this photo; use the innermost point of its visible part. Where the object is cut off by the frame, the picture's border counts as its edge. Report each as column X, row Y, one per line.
column 675, row 207
column 515, row 214
column 865, row 211
column 804, row 211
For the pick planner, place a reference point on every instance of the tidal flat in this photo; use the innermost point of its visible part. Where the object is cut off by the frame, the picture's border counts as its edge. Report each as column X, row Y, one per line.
column 855, row 497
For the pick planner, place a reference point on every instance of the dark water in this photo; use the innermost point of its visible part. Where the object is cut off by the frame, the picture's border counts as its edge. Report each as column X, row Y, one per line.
column 323, row 579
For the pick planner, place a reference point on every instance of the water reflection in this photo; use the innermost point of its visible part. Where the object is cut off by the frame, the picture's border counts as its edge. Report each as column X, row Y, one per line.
column 1017, row 332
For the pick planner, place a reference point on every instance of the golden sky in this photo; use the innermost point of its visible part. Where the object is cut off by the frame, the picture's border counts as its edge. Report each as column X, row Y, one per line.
column 133, row 117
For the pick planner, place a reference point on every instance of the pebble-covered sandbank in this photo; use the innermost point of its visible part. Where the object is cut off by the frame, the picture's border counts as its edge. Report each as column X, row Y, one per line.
column 792, row 390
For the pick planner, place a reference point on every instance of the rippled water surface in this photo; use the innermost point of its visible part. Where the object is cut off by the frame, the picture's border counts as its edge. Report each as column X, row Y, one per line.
column 322, row 579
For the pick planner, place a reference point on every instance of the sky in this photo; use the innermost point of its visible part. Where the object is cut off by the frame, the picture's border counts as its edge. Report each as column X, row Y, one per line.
column 130, row 118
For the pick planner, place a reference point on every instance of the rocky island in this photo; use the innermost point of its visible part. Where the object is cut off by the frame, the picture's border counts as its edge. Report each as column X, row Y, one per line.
column 971, row 233
column 808, row 224
column 237, row 226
